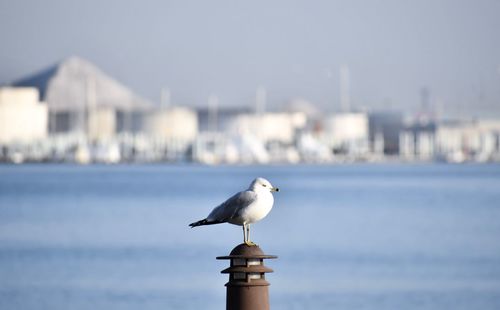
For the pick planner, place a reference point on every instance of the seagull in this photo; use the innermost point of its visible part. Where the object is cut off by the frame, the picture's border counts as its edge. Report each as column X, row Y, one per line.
column 244, row 208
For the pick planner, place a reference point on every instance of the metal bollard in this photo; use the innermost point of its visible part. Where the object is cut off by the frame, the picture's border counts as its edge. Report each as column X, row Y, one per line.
column 247, row 288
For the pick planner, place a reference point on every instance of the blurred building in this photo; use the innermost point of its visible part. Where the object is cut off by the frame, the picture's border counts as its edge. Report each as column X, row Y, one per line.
column 268, row 127
column 384, row 128
column 267, row 137
column 175, row 123
column 83, row 99
column 458, row 141
column 252, row 138
column 301, row 105
column 23, row 118
column 417, row 141
column 347, row 133
column 218, row 119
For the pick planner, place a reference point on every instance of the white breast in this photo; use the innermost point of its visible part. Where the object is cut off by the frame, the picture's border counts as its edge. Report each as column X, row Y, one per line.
column 259, row 209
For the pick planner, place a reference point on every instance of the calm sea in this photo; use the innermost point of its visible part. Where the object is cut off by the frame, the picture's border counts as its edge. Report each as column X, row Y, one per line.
column 347, row 237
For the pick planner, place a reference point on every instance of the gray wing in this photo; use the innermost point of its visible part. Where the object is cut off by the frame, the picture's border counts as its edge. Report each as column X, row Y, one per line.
column 232, row 207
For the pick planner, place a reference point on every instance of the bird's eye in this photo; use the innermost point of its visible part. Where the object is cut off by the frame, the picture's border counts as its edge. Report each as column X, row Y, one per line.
column 264, row 185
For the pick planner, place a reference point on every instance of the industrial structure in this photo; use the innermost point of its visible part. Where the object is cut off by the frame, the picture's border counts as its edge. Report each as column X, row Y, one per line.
column 23, row 118
column 74, row 112
column 90, row 117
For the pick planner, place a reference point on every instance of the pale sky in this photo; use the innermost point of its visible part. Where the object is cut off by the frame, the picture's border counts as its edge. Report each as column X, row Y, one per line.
column 292, row 48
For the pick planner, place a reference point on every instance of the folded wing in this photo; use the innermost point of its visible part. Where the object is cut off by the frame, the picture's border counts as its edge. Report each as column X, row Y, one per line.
column 232, row 207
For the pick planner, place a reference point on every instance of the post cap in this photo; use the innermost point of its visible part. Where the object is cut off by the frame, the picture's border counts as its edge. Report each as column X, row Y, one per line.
column 245, row 251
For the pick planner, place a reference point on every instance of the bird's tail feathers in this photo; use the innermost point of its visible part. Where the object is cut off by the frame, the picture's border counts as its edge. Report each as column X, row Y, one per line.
column 204, row 222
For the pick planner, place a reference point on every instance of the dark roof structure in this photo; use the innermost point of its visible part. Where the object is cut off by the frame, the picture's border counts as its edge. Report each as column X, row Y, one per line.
column 75, row 83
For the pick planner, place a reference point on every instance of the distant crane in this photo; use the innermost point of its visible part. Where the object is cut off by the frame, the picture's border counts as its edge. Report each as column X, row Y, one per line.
column 345, row 99
column 213, row 106
column 165, row 98
column 260, row 100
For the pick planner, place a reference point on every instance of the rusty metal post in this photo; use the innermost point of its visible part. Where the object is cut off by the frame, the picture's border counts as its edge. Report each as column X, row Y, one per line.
column 247, row 288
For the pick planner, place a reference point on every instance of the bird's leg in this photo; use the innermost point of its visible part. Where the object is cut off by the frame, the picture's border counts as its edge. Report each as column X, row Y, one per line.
column 245, row 233
column 247, row 241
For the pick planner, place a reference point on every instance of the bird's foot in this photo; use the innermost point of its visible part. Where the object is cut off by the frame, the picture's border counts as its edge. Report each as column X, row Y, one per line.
column 250, row 243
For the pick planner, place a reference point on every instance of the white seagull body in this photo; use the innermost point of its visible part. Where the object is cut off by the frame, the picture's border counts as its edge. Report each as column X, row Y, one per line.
column 244, row 208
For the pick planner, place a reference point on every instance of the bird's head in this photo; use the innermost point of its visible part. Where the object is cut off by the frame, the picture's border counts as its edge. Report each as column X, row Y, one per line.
column 261, row 184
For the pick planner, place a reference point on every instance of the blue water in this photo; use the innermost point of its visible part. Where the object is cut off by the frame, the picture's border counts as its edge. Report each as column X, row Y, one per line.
column 347, row 237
